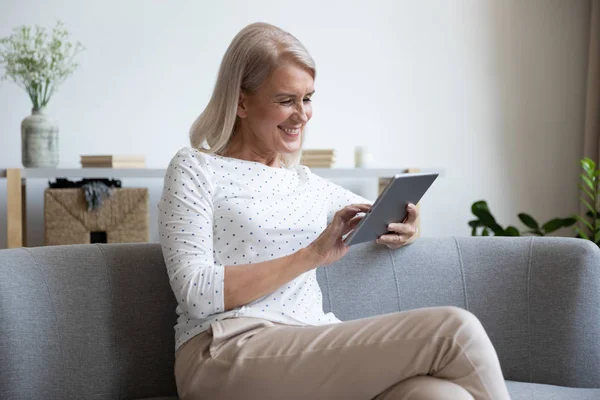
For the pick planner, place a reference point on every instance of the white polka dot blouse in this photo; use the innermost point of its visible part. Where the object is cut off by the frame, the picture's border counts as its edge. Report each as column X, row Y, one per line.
column 217, row 211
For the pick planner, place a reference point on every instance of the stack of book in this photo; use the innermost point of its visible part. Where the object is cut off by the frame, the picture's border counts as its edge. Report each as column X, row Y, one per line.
column 318, row 158
column 110, row 161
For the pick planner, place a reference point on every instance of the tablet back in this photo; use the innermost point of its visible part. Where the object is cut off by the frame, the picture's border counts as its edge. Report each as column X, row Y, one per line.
column 391, row 204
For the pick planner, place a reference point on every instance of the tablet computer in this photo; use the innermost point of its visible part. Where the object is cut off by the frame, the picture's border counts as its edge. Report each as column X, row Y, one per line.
column 390, row 205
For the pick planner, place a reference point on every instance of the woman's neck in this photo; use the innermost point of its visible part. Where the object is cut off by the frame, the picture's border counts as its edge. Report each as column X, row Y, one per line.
column 237, row 148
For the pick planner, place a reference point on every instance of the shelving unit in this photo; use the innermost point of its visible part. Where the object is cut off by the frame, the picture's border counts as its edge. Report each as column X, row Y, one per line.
column 16, row 186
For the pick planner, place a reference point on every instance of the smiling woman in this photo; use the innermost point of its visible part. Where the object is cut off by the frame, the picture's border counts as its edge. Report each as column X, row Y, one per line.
column 243, row 228
column 263, row 125
column 272, row 120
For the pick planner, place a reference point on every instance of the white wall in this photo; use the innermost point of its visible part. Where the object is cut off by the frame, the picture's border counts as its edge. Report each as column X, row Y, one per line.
column 492, row 91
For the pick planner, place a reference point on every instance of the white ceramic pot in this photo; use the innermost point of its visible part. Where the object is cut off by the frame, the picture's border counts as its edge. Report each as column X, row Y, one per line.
column 362, row 157
column 39, row 140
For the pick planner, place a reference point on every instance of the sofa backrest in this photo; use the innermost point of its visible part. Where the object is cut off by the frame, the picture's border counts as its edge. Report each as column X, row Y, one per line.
column 97, row 321
column 86, row 321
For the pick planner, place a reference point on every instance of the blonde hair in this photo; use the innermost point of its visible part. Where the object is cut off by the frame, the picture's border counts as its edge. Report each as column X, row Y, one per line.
column 254, row 53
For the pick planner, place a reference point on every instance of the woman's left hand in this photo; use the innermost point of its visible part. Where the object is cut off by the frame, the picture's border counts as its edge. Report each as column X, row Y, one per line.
column 402, row 233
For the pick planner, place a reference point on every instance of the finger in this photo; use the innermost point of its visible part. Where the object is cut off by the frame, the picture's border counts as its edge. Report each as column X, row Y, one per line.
column 355, row 221
column 392, row 239
column 347, row 213
column 401, row 228
column 351, row 210
column 343, row 216
column 413, row 213
column 348, row 210
column 362, row 206
column 351, row 224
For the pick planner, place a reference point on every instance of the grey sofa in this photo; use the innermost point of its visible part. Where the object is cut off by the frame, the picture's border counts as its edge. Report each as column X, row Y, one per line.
column 96, row 321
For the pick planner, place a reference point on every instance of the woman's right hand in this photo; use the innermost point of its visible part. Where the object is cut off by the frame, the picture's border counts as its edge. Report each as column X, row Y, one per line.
column 329, row 246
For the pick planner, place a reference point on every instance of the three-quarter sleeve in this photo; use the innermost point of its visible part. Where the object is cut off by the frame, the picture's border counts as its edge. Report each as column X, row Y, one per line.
column 186, row 237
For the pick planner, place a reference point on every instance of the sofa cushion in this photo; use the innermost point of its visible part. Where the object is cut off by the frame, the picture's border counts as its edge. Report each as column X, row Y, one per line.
column 537, row 391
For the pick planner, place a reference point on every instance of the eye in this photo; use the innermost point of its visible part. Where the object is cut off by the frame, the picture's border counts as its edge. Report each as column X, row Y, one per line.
column 307, row 100
column 286, row 102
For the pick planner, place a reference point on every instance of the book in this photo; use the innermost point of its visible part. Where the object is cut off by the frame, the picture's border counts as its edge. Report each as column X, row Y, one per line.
column 112, row 161
column 318, row 155
column 317, row 158
column 114, row 165
column 318, row 151
column 316, row 165
column 111, row 158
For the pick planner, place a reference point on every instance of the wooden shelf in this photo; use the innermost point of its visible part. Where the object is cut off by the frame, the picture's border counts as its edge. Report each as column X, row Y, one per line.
column 330, row 173
column 17, row 177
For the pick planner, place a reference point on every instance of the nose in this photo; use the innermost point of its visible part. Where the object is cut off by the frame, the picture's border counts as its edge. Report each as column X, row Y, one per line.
column 300, row 113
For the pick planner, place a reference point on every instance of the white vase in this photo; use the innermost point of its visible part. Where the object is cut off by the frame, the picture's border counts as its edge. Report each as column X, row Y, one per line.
column 362, row 157
column 39, row 140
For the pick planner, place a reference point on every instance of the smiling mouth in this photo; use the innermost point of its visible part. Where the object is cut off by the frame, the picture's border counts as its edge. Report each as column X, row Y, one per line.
column 290, row 131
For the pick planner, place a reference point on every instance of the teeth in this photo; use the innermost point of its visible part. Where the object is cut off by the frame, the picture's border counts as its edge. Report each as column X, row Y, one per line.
column 291, row 131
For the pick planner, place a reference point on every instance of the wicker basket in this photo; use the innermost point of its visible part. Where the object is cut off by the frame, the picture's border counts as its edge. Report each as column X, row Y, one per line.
column 122, row 218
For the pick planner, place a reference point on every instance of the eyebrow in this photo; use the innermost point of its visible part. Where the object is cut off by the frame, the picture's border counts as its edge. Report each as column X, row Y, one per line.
column 292, row 94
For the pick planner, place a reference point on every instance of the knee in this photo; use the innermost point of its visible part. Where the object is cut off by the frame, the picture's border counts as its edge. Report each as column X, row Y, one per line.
column 466, row 318
column 424, row 387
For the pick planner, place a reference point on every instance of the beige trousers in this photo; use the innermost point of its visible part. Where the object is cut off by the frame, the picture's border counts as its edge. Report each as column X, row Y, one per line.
column 432, row 353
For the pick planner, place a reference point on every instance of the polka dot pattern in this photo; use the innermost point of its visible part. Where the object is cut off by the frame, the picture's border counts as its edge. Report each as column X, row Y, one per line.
column 216, row 211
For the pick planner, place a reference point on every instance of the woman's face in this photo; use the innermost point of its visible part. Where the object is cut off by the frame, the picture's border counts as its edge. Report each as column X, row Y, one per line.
column 273, row 118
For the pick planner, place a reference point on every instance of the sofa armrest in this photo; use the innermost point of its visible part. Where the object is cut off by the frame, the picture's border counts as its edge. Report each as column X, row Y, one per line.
column 537, row 297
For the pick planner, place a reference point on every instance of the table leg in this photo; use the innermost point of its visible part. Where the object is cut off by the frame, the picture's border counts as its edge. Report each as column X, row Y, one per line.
column 24, row 212
column 14, row 208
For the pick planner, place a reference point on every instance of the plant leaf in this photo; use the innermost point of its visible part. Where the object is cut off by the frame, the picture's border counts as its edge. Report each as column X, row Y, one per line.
column 499, row 231
column 586, row 223
column 580, row 232
column 479, row 205
column 591, row 214
column 512, row 231
column 529, row 221
column 553, row 225
column 566, row 222
column 486, row 218
column 587, row 205
column 485, row 232
column 588, row 181
column 475, row 223
column 588, row 165
column 587, row 191
column 597, row 236
column 474, row 231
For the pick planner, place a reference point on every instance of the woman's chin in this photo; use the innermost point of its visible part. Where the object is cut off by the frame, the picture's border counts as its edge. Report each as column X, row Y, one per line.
column 288, row 151
column 291, row 146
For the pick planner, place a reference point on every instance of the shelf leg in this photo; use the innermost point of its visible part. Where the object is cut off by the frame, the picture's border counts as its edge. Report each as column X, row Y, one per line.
column 14, row 208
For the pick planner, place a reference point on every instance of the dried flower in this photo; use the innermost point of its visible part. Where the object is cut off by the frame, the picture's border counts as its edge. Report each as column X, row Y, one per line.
column 37, row 64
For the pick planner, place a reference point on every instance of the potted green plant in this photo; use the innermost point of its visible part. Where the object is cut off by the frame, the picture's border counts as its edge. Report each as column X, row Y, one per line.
column 590, row 187
column 590, row 223
column 39, row 64
column 487, row 223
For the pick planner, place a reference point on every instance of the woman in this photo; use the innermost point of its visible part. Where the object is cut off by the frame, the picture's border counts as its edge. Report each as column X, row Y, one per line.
column 243, row 228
